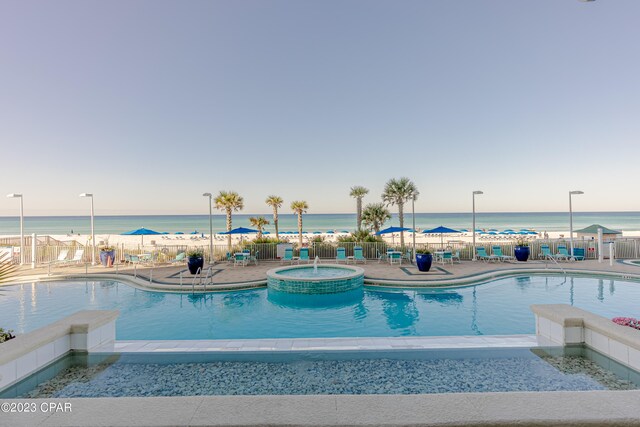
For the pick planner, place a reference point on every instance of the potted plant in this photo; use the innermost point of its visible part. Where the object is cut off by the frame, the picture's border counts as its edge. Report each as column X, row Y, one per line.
column 195, row 260
column 521, row 251
column 107, row 255
column 424, row 259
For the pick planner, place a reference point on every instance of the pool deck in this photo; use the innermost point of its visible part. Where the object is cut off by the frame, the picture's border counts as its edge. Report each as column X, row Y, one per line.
column 226, row 276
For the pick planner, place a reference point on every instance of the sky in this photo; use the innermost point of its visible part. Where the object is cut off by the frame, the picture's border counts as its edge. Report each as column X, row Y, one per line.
column 149, row 104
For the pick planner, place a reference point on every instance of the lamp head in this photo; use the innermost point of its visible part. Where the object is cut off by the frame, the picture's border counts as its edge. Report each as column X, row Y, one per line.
column 12, row 195
column 576, row 192
column 86, row 195
column 478, row 192
column 207, row 194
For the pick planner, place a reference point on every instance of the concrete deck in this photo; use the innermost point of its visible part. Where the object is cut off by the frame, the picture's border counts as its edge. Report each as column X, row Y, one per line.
column 226, row 276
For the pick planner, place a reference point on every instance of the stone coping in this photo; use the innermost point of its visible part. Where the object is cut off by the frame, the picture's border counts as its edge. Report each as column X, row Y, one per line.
column 80, row 322
column 596, row 408
column 351, row 273
column 569, row 316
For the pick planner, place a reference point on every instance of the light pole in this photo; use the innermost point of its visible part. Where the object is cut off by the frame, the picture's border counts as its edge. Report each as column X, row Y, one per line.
column 93, row 236
column 15, row 195
column 473, row 229
column 210, row 229
column 571, row 219
column 413, row 218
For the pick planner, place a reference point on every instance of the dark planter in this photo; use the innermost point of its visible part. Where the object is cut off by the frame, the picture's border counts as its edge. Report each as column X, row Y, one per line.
column 105, row 255
column 521, row 253
column 194, row 263
column 424, row 261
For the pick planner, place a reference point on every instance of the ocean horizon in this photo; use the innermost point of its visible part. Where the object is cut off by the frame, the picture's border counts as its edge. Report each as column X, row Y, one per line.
column 116, row 224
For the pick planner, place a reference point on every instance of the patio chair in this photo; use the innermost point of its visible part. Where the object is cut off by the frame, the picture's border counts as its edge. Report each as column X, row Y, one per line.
column 341, row 255
column 254, row 257
column 357, row 255
column 77, row 257
column 484, row 256
column 407, row 256
column 288, row 256
column 497, row 251
column 455, row 257
column 446, row 258
column 304, row 255
column 395, row 257
column 241, row 258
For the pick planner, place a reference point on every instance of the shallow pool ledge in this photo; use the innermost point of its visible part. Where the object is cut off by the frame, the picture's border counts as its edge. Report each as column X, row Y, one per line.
column 565, row 325
column 82, row 331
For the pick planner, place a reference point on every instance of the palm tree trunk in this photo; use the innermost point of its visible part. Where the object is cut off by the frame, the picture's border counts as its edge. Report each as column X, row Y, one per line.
column 275, row 221
column 300, row 229
column 401, row 217
column 229, row 229
column 359, row 212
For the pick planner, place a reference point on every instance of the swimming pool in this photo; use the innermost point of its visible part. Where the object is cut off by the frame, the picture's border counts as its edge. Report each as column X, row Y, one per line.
column 361, row 372
column 499, row 307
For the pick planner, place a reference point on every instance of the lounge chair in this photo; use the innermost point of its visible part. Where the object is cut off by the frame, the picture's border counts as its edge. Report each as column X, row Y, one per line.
column 341, row 255
column 484, row 256
column 563, row 254
column 62, row 257
column 179, row 259
column 77, row 257
column 288, row 256
column 546, row 253
column 357, row 255
column 497, row 251
column 304, row 255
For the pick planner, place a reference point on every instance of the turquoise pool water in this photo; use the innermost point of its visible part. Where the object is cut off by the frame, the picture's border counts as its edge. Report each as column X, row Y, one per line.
column 499, row 307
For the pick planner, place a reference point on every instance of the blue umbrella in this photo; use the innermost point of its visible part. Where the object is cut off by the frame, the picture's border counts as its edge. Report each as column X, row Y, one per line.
column 195, row 232
column 240, row 230
column 141, row 232
column 266, row 232
column 344, row 231
column 329, row 232
column 317, row 232
column 393, row 230
column 178, row 232
column 441, row 230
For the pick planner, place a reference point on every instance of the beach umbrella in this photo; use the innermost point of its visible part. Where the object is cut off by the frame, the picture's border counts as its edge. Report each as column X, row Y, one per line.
column 178, row 232
column 393, row 230
column 240, row 230
column 329, row 232
column 441, row 230
column 195, row 232
column 266, row 232
column 165, row 232
column 345, row 231
column 141, row 232
column 317, row 232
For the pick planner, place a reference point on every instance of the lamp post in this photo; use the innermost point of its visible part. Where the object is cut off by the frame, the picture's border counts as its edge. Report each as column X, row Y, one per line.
column 210, row 229
column 571, row 193
column 413, row 218
column 93, row 236
column 15, row 195
column 473, row 229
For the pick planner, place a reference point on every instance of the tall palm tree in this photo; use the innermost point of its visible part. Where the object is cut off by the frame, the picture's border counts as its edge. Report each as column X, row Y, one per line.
column 375, row 215
column 229, row 201
column 398, row 192
column 358, row 192
column 259, row 223
column 299, row 207
column 275, row 202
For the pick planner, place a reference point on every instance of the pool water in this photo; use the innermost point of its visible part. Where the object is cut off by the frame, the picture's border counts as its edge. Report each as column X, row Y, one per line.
column 379, row 372
column 500, row 307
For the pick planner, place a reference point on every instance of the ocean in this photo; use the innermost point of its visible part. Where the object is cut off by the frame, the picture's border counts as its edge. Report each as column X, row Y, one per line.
column 539, row 221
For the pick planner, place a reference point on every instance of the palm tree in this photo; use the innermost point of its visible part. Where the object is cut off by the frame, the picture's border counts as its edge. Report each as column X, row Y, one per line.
column 259, row 223
column 275, row 202
column 375, row 215
column 358, row 192
column 229, row 201
column 299, row 207
column 398, row 192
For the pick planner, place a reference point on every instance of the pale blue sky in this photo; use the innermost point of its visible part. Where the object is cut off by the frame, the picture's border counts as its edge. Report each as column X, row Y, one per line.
column 148, row 104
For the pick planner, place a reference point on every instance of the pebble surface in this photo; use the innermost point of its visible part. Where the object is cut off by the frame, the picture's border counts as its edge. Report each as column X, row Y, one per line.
column 357, row 376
